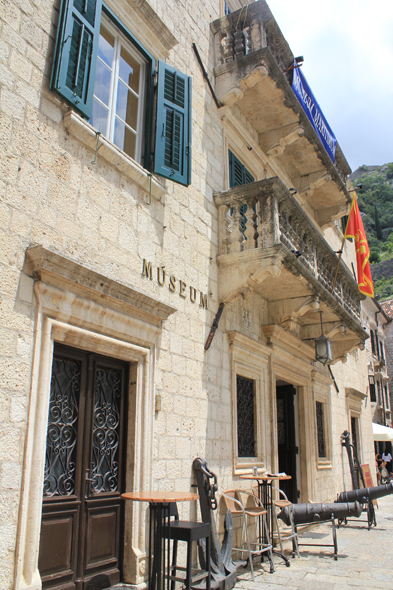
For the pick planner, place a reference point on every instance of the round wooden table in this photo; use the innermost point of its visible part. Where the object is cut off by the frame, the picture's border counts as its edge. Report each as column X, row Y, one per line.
column 265, row 494
column 160, row 497
column 159, row 505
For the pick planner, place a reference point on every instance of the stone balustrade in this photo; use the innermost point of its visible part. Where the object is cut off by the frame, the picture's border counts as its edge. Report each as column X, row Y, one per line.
column 265, row 215
column 247, row 30
column 249, row 46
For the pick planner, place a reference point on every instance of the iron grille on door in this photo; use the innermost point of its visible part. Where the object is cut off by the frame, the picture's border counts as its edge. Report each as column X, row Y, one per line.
column 82, row 513
column 60, row 459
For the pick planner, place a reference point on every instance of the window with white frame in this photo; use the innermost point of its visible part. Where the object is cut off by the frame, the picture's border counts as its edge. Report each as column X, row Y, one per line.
column 249, row 402
column 371, row 382
column 379, row 389
column 109, row 78
column 372, row 338
column 322, row 409
column 119, row 91
column 387, row 400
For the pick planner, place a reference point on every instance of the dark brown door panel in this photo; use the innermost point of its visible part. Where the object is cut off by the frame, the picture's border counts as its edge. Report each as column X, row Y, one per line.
column 101, row 538
column 82, row 513
column 57, row 558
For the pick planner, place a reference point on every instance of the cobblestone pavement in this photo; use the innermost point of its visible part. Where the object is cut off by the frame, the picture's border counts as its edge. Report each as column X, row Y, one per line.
column 365, row 559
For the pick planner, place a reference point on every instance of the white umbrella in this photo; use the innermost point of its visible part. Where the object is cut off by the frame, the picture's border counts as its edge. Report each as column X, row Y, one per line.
column 382, row 432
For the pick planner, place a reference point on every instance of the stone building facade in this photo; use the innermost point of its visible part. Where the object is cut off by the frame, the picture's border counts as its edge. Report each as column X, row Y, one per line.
column 120, row 239
column 387, row 307
column 378, row 350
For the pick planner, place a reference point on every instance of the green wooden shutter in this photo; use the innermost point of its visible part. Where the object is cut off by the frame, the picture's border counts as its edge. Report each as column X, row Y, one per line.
column 238, row 173
column 74, row 65
column 172, row 157
column 248, row 177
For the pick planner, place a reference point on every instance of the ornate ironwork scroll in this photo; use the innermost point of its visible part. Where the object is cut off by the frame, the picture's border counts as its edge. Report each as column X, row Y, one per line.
column 106, row 431
column 245, row 416
column 320, row 430
column 59, row 477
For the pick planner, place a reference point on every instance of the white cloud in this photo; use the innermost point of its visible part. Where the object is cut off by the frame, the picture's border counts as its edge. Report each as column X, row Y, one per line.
column 348, row 51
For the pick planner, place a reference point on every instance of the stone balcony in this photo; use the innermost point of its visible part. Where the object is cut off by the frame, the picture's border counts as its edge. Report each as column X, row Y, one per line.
column 251, row 72
column 268, row 245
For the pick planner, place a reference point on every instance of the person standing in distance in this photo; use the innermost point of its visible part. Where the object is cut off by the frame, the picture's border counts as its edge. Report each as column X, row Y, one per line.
column 386, row 456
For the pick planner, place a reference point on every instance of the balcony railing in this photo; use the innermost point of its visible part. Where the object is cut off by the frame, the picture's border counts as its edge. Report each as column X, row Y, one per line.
column 264, row 215
column 247, row 30
column 249, row 46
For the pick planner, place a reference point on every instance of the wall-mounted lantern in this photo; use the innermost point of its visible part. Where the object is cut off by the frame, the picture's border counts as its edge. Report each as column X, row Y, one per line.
column 323, row 347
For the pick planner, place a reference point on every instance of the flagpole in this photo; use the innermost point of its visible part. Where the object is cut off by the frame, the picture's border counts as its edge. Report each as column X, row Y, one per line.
column 355, row 229
column 340, row 252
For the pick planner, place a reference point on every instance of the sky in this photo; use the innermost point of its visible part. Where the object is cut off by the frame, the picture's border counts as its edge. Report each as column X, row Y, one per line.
column 348, row 63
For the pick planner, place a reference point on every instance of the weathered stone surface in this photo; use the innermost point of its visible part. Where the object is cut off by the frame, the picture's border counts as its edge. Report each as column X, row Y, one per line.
column 75, row 231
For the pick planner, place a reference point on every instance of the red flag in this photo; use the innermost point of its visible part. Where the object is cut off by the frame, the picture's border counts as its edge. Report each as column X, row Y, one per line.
column 356, row 231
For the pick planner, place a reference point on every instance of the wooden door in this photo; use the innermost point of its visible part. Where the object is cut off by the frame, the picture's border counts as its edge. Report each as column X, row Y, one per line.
column 82, row 513
column 287, row 449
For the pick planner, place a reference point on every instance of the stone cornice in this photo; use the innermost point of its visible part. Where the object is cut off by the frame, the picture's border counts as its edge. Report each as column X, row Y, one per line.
column 278, row 335
column 55, row 269
column 147, row 21
column 355, row 394
column 246, row 343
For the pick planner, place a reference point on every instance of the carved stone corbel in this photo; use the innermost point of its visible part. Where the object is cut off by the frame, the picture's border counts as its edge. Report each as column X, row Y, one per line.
column 230, row 92
column 340, row 328
column 269, row 269
column 259, row 72
column 278, row 148
column 308, row 190
column 244, row 294
column 292, row 321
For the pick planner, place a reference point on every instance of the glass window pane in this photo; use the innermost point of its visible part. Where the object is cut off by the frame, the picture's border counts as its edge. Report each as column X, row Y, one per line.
column 102, row 84
column 129, row 70
column 105, row 46
column 124, row 138
column 127, row 106
column 99, row 117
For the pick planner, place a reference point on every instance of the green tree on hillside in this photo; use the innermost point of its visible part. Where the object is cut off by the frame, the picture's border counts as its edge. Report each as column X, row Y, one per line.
column 375, row 200
column 378, row 228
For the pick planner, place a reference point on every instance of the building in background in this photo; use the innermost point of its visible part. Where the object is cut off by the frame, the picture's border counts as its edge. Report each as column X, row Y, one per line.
column 137, row 201
column 387, row 307
column 376, row 322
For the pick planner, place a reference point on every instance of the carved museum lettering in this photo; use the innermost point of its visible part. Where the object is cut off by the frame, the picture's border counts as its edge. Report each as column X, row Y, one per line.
column 174, row 284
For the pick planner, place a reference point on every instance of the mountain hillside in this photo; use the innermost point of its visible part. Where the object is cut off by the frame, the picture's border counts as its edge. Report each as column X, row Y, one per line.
column 375, row 200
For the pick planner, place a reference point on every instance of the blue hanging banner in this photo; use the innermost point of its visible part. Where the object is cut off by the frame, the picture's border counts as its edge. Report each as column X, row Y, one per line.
column 314, row 113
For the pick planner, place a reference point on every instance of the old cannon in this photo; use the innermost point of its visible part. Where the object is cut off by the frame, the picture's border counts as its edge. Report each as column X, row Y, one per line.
column 312, row 513
column 366, row 496
column 307, row 513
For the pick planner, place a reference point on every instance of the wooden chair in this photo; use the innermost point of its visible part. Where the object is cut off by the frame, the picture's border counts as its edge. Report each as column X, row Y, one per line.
column 233, row 501
column 187, row 531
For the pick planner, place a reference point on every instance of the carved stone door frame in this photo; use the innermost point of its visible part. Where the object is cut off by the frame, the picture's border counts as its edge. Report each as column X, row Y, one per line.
column 95, row 328
column 81, row 541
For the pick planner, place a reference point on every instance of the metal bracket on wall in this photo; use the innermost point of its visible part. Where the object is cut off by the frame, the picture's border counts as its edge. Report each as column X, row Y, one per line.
column 214, row 326
column 218, row 104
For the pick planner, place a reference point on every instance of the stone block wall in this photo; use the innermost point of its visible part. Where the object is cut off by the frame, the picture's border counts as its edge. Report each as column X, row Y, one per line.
column 52, row 194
